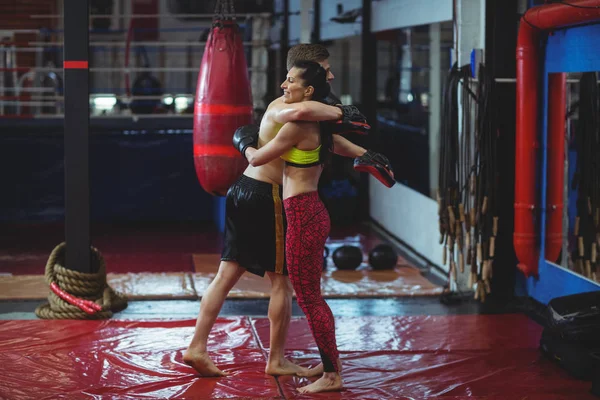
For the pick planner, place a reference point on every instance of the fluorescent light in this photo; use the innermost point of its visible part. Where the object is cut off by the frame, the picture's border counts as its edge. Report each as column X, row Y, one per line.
column 346, row 99
column 104, row 102
column 181, row 103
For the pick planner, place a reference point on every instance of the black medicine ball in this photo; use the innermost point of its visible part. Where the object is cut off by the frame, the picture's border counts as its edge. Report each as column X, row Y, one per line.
column 347, row 257
column 383, row 256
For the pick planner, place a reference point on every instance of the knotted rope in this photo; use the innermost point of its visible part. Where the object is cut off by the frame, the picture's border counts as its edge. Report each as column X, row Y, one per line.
column 78, row 295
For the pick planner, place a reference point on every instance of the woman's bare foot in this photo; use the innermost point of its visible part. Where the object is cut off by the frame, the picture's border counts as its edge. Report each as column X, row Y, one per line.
column 284, row 367
column 202, row 363
column 329, row 382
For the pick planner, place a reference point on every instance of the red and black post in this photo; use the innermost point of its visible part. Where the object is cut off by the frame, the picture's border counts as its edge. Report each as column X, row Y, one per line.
column 76, row 135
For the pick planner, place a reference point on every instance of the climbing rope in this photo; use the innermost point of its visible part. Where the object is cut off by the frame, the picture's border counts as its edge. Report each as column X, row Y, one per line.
column 485, row 219
column 78, row 295
column 467, row 187
column 450, row 175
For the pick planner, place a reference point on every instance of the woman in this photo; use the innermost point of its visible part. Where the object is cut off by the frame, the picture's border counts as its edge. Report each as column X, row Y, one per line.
column 305, row 148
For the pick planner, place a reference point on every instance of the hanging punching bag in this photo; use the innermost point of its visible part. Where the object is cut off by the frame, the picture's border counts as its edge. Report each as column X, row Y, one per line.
column 223, row 103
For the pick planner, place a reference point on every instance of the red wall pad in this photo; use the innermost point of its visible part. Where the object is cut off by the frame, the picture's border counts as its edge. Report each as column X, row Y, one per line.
column 536, row 21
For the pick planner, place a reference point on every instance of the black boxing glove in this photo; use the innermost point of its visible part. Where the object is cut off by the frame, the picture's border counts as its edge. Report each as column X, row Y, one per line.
column 353, row 121
column 377, row 165
column 244, row 137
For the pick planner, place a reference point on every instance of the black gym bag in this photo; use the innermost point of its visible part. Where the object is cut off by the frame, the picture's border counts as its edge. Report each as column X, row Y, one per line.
column 575, row 357
column 572, row 337
column 576, row 317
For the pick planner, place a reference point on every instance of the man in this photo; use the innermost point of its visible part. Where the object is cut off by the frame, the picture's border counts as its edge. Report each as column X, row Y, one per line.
column 255, row 230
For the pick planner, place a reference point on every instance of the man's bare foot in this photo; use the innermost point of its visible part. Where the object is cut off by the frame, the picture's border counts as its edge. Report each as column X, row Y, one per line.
column 202, row 363
column 310, row 372
column 329, row 382
column 284, row 367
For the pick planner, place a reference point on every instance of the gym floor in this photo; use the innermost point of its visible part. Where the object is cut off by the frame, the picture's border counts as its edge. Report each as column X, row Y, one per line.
column 402, row 347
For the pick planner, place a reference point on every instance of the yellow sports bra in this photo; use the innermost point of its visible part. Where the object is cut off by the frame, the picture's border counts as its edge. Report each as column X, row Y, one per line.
column 302, row 158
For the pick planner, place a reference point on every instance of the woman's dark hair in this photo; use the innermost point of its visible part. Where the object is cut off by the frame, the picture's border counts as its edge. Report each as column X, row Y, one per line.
column 314, row 75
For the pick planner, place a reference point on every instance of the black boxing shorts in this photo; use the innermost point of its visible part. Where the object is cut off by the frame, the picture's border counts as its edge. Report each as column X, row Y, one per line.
column 255, row 226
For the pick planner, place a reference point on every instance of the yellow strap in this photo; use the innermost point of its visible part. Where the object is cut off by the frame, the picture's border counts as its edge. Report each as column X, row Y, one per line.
column 279, row 238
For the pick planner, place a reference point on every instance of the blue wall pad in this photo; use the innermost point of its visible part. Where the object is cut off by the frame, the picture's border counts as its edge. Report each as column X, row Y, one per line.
column 556, row 281
column 573, row 50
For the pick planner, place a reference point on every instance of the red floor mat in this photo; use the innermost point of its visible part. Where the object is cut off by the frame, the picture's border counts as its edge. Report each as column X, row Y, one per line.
column 418, row 333
column 454, row 357
column 126, row 360
column 418, row 357
column 512, row 374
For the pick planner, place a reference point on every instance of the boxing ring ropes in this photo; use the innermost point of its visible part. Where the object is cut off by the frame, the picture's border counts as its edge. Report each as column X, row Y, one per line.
column 22, row 95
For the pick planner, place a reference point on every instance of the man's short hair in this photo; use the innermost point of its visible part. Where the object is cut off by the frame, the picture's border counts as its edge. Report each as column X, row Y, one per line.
column 306, row 51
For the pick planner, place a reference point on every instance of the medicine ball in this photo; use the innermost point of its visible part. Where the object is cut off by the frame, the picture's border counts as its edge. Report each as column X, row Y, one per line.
column 347, row 257
column 383, row 256
column 325, row 255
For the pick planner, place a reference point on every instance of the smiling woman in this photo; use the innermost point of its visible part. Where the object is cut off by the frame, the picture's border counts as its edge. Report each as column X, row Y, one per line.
column 295, row 87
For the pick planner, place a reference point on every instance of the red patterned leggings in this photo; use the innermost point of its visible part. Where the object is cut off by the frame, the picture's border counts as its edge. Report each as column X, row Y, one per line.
column 307, row 230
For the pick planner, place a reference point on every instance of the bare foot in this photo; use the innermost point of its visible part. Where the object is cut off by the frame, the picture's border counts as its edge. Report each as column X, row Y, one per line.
column 202, row 363
column 285, row 367
column 309, row 373
column 329, row 382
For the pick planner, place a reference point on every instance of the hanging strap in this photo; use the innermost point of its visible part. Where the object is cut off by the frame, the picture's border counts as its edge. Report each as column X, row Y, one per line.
column 224, row 10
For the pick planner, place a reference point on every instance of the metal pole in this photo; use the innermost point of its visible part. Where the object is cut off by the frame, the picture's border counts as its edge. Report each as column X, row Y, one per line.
column 285, row 39
column 435, row 105
column 76, row 137
column 316, row 33
column 368, row 67
column 368, row 90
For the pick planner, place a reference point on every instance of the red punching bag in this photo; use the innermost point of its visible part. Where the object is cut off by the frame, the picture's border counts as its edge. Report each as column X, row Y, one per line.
column 223, row 103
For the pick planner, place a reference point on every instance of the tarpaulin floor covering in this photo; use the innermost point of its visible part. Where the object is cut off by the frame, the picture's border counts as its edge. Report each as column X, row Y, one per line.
column 409, row 357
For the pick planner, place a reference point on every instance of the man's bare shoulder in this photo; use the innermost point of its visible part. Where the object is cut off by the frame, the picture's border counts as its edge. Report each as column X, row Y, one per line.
column 278, row 102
